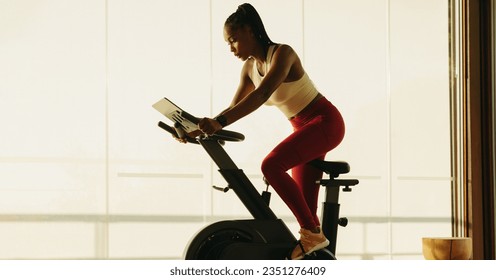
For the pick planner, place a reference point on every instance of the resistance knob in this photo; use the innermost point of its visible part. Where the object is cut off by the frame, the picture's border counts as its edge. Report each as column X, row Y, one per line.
column 343, row 221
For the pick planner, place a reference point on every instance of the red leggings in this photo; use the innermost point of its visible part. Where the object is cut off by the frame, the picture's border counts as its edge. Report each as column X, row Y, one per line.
column 317, row 130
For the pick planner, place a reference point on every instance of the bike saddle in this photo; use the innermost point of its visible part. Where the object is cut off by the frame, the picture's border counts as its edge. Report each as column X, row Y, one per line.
column 333, row 168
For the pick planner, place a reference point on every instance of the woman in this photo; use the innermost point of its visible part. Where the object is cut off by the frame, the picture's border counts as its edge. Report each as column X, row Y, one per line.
column 273, row 75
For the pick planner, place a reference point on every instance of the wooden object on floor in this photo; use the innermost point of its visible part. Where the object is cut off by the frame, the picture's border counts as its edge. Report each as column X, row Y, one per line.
column 447, row 248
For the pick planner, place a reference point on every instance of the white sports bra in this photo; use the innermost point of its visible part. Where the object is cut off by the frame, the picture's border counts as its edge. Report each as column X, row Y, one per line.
column 291, row 97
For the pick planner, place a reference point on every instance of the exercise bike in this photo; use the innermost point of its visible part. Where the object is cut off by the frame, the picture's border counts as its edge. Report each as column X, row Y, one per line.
column 265, row 237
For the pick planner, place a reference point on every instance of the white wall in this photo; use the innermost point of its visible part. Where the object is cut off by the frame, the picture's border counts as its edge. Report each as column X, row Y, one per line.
column 86, row 173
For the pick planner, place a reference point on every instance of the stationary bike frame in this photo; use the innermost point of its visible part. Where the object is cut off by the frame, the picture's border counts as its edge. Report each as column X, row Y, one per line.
column 237, row 180
column 330, row 207
column 259, row 208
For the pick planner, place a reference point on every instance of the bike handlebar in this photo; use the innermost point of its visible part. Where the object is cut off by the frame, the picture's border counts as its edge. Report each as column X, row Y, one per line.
column 174, row 133
column 223, row 135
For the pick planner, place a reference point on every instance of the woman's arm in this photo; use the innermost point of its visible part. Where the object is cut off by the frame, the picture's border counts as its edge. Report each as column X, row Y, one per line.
column 245, row 102
column 283, row 59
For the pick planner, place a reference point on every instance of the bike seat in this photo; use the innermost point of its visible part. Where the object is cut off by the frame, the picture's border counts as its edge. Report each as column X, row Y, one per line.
column 333, row 168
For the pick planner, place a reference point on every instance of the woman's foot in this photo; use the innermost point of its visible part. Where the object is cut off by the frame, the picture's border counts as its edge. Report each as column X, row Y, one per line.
column 309, row 242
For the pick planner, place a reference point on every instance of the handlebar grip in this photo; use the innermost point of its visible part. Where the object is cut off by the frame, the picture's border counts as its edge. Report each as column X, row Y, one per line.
column 168, row 129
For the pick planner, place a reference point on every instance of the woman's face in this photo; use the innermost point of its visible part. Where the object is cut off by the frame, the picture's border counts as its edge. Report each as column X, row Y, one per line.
column 240, row 41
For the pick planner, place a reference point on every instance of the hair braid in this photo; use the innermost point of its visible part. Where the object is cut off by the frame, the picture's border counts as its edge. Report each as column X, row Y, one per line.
column 246, row 15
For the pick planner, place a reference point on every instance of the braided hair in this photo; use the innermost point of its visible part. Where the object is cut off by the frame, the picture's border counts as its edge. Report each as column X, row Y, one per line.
column 246, row 15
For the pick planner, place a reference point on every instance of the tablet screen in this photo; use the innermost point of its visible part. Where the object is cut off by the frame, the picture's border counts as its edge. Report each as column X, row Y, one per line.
column 176, row 114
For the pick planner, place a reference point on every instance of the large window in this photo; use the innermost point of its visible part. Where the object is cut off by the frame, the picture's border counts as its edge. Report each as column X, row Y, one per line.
column 86, row 173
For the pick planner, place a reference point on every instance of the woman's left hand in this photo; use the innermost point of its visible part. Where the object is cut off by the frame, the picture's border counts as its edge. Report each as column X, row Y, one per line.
column 209, row 126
